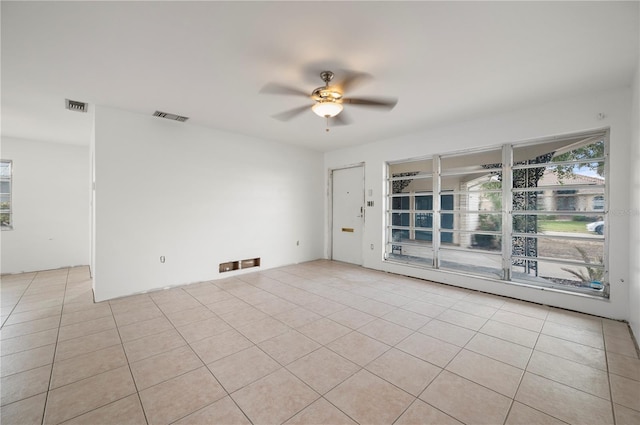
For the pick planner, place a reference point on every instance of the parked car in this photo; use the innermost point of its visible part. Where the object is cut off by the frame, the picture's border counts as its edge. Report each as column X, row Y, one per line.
column 596, row 226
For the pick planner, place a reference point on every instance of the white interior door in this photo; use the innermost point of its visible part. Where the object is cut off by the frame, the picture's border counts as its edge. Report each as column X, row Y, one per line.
column 348, row 214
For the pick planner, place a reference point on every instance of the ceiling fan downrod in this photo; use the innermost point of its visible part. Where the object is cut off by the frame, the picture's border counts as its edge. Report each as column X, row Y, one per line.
column 326, row 77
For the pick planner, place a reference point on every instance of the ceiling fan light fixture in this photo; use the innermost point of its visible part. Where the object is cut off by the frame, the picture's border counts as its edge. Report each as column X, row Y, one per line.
column 327, row 108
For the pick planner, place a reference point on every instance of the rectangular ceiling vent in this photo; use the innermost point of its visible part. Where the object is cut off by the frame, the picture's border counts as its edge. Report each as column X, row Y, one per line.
column 74, row 105
column 169, row 116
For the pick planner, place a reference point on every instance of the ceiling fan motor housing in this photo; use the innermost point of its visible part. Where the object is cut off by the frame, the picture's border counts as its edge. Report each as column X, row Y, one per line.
column 326, row 93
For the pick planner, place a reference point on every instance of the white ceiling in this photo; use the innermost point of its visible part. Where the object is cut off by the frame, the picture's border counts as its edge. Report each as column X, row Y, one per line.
column 444, row 61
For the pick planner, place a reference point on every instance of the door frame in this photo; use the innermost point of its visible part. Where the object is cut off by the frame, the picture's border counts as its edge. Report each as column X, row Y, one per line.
column 330, row 203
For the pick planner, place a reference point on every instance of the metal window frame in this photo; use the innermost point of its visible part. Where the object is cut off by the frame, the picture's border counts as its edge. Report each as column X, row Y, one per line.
column 507, row 211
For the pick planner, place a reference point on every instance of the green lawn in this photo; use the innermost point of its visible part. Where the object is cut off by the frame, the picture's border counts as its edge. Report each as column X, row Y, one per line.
column 563, row 226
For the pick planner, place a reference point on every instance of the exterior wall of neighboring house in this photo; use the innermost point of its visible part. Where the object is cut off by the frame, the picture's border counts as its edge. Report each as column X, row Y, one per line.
column 470, row 202
column 571, row 199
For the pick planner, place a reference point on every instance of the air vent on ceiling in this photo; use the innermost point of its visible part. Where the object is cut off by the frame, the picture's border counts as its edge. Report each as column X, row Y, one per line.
column 170, row 116
column 74, row 105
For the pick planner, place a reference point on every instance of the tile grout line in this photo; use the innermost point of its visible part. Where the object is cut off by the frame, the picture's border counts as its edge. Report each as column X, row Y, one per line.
column 284, row 366
column 103, row 372
column 524, row 371
column 361, row 368
column 571, row 386
column 320, row 396
column 253, row 345
column 88, row 377
column 512, row 399
column 135, row 384
column 53, row 360
column 199, row 358
column 20, row 299
column 606, row 359
column 522, row 378
column 390, row 347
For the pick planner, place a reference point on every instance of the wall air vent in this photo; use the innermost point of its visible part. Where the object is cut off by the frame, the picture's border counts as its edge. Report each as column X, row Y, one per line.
column 74, row 105
column 237, row 265
column 169, row 116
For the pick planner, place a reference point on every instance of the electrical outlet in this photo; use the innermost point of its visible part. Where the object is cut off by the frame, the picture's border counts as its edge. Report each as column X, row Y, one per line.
column 371, row 247
column 162, row 259
column 297, row 243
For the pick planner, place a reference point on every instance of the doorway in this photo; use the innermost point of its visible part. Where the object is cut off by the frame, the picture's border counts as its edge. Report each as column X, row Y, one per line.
column 347, row 214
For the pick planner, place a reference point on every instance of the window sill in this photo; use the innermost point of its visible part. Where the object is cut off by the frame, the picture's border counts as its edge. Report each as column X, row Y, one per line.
column 586, row 293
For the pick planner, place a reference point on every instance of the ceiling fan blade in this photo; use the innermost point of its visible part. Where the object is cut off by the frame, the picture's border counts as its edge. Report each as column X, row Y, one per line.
column 351, row 80
column 377, row 102
column 341, row 119
column 291, row 113
column 274, row 88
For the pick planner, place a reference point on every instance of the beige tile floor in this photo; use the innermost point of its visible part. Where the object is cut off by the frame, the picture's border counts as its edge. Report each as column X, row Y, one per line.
column 316, row 343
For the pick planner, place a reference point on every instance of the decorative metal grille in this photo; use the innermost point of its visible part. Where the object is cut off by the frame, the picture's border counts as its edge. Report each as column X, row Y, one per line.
column 399, row 185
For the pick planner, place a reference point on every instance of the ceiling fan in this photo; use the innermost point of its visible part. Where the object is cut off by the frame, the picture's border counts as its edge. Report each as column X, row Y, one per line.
column 329, row 99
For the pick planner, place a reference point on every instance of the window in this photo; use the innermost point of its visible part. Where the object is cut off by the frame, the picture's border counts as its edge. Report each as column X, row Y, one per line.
column 598, row 202
column 516, row 213
column 6, row 218
column 409, row 235
column 551, row 245
column 566, row 200
column 470, row 186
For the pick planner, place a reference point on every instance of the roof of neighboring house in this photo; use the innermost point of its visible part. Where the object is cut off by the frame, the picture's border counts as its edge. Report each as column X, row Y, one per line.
column 550, row 178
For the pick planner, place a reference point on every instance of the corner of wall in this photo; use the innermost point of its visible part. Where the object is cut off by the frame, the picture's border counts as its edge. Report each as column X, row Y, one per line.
column 634, row 210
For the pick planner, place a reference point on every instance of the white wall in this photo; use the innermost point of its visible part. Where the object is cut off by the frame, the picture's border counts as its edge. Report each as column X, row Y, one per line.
column 561, row 117
column 51, row 188
column 634, row 210
column 199, row 197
